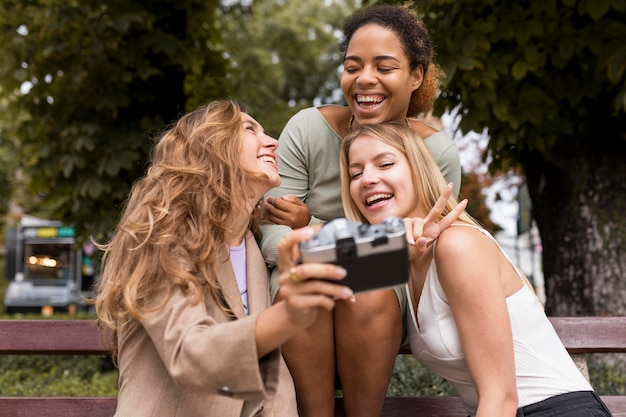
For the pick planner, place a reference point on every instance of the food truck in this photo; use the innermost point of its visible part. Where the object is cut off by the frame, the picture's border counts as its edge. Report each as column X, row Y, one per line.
column 47, row 270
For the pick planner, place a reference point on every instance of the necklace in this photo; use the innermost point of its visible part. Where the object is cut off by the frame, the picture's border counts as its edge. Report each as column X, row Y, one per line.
column 406, row 120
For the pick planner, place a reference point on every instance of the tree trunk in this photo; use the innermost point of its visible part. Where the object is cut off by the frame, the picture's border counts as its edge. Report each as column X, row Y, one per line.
column 579, row 204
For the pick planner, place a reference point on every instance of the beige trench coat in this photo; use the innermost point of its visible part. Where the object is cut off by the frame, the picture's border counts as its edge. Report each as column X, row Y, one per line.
column 192, row 360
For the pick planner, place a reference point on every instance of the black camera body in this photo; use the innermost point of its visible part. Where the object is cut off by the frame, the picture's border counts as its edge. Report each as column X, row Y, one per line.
column 375, row 256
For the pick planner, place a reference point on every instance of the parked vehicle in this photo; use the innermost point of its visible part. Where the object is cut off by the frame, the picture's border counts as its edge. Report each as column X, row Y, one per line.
column 48, row 271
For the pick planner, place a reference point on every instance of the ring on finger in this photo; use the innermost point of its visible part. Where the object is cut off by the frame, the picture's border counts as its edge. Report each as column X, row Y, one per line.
column 293, row 275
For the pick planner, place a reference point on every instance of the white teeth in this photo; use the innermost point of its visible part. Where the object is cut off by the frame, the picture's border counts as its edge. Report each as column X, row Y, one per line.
column 369, row 99
column 267, row 159
column 380, row 196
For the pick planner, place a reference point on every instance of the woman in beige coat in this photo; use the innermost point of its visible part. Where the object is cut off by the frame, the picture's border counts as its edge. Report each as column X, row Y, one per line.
column 184, row 298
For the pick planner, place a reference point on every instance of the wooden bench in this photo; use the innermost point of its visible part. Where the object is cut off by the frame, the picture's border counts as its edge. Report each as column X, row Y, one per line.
column 580, row 335
column 53, row 337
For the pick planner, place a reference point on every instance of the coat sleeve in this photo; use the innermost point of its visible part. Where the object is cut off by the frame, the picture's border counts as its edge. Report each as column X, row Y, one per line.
column 213, row 354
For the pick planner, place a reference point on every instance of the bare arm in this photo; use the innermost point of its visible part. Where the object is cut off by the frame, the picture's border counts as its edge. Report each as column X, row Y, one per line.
column 470, row 275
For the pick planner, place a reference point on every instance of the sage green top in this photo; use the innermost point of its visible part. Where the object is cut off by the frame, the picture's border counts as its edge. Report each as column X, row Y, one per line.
column 308, row 164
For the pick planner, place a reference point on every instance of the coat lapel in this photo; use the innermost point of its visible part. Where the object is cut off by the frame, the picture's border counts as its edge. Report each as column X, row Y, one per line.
column 228, row 284
column 258, row 277
column 258, row 281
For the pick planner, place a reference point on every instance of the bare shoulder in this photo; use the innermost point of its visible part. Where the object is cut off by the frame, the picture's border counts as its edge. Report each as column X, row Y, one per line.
column 465, row 257
column 463, row 242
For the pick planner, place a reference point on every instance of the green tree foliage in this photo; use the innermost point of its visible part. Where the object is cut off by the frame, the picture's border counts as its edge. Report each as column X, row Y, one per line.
column 99, row 80
column 94, row 81
column 13, row 180
column 284, row 55
column 548, row 81
column 8, row 166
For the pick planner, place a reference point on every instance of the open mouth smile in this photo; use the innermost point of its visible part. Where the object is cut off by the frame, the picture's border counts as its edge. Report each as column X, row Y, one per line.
column 377, row 198
column 266, row 158
column 368, row 102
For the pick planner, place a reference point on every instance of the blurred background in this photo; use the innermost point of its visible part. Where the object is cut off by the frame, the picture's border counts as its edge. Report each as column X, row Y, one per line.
column 534, row 97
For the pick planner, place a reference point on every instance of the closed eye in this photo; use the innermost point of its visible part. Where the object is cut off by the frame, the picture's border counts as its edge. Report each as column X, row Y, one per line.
column 252, row 127
column 355, row 175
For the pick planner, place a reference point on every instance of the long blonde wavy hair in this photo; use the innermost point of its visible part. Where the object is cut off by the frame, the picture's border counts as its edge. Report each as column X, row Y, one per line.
column 172, row 232
column 427, row 179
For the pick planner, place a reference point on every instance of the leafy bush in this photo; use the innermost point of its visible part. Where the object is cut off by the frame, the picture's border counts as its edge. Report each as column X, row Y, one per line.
column 608, row 377
column 410, row 378
column 46, row 375
column 94, row 375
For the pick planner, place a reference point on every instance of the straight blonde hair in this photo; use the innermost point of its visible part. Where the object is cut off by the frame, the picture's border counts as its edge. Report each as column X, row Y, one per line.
column 426, row 177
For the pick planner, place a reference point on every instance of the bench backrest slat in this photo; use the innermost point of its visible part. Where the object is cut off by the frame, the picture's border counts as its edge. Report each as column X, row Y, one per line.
column 586, row 334
column 58, row 406
column 45, row 337
column 579, row 335
column 591, row 334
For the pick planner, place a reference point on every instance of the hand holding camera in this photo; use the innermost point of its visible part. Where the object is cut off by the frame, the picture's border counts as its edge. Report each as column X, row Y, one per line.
column 375, row 256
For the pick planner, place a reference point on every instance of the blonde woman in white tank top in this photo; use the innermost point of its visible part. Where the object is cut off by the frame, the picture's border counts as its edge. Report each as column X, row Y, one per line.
column 474, row 318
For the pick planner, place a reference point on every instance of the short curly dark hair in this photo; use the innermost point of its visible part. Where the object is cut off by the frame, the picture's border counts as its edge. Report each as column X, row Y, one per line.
column 416, row 43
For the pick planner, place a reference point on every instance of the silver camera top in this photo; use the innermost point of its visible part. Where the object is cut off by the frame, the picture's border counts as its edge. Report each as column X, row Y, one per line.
column 374, row 256
column 343, row 239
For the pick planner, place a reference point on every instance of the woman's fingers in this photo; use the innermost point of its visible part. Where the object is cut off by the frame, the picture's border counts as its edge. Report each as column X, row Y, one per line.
column 315, row 278
column 452, row 216
column 288, row 247
column 300, row 273
column 410, row 228
column 422, row 232
column 287, row 210
column 307, row 278
column 440, row 205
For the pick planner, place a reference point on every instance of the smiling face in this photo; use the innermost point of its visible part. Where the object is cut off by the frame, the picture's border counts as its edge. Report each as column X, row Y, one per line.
column 258, row 156
column 380, row 180
column 377, row 81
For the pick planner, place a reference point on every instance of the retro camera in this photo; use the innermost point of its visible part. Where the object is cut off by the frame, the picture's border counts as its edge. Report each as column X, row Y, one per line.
column 375, row 256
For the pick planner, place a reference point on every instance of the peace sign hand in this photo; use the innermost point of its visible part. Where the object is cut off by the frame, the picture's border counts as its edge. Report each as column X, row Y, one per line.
column 422, row 232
